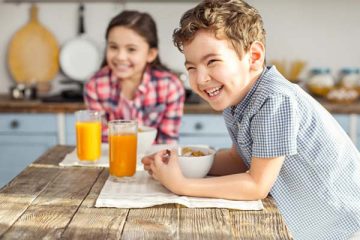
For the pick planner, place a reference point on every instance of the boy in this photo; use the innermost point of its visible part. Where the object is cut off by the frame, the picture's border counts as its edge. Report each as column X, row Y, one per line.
column 284, row 142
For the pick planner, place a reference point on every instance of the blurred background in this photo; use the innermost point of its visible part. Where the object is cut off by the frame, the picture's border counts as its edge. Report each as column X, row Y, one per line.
column 317, row 34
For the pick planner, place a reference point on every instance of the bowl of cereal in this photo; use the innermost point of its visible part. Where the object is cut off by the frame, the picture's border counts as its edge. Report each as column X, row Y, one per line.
column 195, row 161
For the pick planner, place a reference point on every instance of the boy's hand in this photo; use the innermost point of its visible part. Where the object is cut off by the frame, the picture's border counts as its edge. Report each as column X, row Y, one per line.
column 146, row 161
column 165, row 168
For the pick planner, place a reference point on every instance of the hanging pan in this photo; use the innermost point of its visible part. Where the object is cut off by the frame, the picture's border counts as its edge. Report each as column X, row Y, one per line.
column 80, row 56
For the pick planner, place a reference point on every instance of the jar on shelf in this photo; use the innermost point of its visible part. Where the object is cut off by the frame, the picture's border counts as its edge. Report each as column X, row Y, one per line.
column 350, row 78
column 320, row 81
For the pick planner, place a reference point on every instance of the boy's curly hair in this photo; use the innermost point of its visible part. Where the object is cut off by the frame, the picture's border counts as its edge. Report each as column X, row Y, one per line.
column 233, row 19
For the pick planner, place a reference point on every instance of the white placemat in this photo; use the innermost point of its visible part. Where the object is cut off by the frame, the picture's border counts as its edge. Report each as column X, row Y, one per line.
column 142, row 191
column 71, row 158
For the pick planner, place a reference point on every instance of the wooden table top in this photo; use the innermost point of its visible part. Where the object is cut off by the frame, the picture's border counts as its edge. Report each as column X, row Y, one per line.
column 52, row 202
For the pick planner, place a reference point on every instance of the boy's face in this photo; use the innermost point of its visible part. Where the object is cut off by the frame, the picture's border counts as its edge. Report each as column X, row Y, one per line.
column 216, row 72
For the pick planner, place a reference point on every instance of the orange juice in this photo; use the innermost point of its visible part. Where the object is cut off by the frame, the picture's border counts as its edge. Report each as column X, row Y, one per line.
column 88, row 140
column 122, row 154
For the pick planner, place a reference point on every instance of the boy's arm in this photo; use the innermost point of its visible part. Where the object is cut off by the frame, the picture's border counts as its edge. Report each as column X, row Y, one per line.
column 227, row 161
column 252, row 185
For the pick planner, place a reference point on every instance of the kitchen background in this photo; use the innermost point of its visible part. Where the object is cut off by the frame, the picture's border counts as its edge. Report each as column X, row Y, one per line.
column 323, row 33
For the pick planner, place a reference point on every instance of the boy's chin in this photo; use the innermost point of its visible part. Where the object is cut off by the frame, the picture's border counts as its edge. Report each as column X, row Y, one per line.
column 217, row 106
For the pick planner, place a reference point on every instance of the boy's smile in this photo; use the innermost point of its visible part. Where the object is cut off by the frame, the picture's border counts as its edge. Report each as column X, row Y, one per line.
column 216, row 72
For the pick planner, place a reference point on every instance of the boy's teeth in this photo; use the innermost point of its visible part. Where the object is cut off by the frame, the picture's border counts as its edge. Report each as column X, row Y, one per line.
column 213, row 92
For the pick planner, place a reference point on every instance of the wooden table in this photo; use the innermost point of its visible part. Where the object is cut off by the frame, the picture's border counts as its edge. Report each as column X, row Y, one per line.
column 52, row 202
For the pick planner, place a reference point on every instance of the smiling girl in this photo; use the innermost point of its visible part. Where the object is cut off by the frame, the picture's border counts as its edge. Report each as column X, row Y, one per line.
column 133, row 83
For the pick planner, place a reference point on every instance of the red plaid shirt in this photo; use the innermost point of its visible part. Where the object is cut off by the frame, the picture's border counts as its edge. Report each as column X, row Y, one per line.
column 158, row 102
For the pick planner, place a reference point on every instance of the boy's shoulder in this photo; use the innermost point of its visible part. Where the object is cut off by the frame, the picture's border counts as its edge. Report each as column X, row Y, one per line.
column 272, row 85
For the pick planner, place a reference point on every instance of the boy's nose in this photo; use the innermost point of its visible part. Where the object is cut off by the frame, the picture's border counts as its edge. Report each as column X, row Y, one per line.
column 202, row 77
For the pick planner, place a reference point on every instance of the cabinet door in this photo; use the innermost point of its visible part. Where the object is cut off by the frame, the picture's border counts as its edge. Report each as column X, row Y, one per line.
column 23, row 138
column 17, row 152
column 344, row 121
column 207, row 129
column 70, row 129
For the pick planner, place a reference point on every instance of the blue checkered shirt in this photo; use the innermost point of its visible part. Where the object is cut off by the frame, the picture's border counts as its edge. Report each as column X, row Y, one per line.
column 318, row 188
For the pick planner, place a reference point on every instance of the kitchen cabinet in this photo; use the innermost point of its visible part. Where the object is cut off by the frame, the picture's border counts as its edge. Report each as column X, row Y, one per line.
column 208, row 129
column 23, row 138
column 70, row 134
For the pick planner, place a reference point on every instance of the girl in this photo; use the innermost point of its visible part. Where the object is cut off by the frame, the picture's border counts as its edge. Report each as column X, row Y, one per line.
column 133, row 83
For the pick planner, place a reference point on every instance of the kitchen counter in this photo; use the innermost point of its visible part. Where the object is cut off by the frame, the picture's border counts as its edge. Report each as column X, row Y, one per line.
column 36, row 106
column 46, row 201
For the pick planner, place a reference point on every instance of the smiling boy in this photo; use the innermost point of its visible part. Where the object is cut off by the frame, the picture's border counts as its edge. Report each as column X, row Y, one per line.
column 284, row 142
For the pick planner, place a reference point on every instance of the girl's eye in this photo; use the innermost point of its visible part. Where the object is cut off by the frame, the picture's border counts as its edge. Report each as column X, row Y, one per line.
column 112, row 47
column 132, row 49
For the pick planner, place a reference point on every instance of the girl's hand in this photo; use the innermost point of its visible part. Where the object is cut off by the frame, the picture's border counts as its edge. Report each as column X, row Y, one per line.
column 165, row 168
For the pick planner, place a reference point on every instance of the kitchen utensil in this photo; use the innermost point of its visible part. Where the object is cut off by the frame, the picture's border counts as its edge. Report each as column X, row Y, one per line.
column 80, row 57
column 33, row 52
column 296, row 68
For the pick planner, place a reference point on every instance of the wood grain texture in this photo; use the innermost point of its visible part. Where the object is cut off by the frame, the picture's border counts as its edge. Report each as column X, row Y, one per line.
column 53, row 156
column 266, row 224
column 16, row 196
column 200, row 223
column 70, row 187
column 50, row 202
column 152, row 223
column 41, row 222
column 96, row 223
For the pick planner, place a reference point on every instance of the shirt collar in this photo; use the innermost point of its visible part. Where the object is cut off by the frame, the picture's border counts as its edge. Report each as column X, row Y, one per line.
column 240, row 107
column 145, row 81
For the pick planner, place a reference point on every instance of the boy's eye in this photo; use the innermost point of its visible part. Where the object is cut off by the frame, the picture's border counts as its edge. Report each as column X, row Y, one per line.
column 189, row 68
column 212, row 61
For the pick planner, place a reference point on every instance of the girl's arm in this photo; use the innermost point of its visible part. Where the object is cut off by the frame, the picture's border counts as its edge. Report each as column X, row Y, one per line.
column 252, row 185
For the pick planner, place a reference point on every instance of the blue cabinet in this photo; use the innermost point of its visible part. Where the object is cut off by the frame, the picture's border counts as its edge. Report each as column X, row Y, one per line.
column 23, row 138
column 207, row 129
column 70, row 134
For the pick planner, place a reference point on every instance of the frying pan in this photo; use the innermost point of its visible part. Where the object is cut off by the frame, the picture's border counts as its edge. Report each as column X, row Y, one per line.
column 80, row 57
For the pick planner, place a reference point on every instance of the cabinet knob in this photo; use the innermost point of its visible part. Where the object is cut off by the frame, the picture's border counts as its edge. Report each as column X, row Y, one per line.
column 199, row 126
column 14, row 124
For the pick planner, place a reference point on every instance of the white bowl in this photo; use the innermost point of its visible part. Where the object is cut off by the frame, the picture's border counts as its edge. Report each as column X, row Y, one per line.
column 196, row 167
column 146, row 137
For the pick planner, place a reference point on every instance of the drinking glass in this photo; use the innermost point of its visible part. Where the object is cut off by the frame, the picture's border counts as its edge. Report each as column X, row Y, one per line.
column 122, row 148
column 88, row 135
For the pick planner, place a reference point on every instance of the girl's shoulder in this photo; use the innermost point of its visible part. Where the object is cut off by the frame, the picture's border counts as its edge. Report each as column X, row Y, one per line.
column 102, row 72
column 157, row 74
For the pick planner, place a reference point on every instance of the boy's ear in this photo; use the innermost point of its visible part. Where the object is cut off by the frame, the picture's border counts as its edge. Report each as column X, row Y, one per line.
column 153, row 52
column 257, row 55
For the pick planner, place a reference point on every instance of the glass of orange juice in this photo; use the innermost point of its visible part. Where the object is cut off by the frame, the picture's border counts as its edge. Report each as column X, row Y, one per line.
column 88, row 135
column 122, row 148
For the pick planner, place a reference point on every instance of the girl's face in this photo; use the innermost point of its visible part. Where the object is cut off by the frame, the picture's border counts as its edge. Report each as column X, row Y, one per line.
column 216, row 72
column 128, row 53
